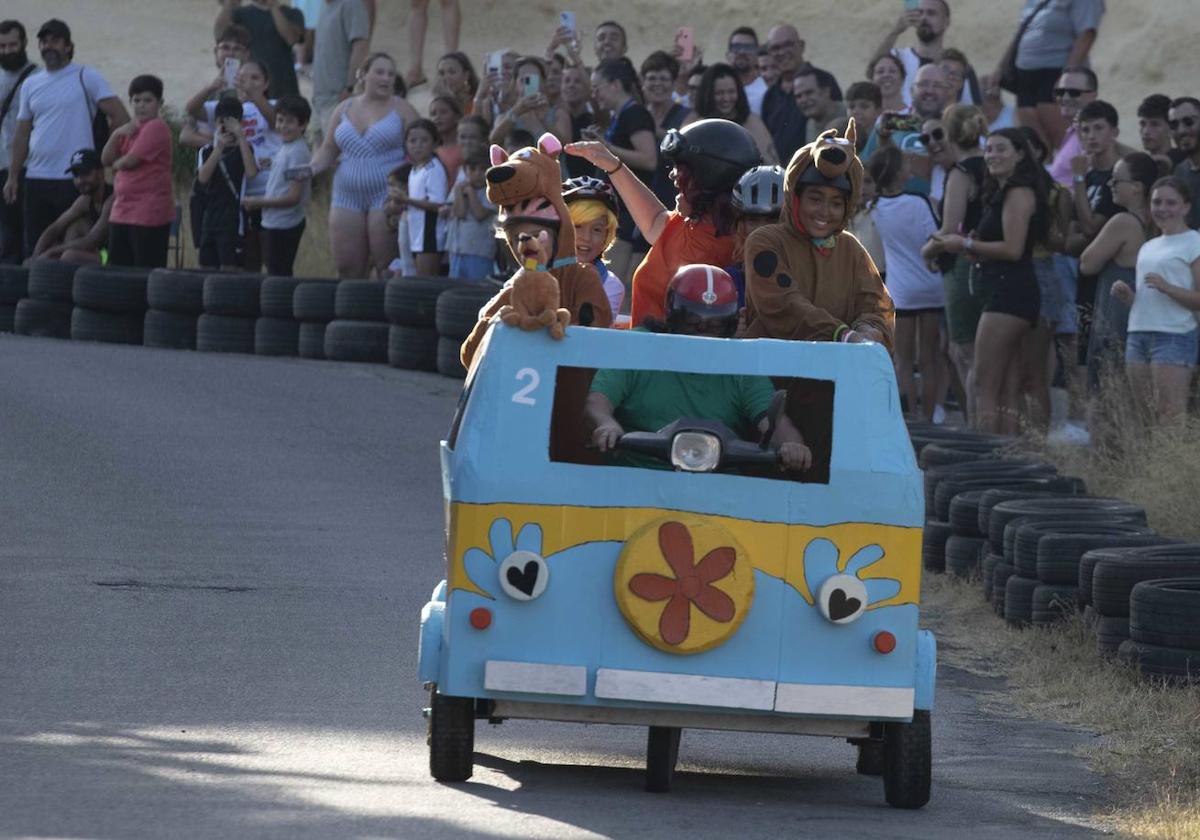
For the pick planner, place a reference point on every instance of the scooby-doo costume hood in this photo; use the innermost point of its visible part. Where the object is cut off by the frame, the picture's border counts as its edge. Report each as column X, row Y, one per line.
column 527, row 187
column 815, row 290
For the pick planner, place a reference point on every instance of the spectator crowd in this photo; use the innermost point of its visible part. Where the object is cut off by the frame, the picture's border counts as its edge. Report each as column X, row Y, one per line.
column 1020, row 239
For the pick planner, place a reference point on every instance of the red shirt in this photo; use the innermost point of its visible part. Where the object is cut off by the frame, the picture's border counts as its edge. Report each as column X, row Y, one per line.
column 681, row 243
column 145, row 195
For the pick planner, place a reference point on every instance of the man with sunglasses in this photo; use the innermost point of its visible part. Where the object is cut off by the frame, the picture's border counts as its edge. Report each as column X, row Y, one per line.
column 742, row 55
column 1076, row 87
column 780, row 112
column 1184, row 122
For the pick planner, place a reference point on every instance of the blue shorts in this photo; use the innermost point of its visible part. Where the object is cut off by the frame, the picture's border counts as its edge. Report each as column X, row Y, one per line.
column 470, row 267
column 1162, row 348
column 1068, row 278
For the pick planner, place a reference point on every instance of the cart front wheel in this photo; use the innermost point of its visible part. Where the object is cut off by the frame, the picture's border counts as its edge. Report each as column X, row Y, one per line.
column 451, row 737
column 662, row 751
column 908, row 761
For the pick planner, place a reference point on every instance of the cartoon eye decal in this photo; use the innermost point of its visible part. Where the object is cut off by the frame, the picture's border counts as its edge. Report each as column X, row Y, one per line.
column 524, row 575
column 842, row 598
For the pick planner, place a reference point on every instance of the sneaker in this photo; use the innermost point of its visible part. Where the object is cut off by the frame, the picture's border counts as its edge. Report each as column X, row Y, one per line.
column 939, row 414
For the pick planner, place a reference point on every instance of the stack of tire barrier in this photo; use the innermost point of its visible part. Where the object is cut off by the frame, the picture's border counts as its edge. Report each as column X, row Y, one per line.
column 313, row 306
column 1164, row 628
column 230, row 311
column 456, row 315
column 46, row 308
column 1113, row 579
column 410, row 304
column 276, row 332
column 175, row 298
column 110, row 304
column 359, row 333
column 14, row 285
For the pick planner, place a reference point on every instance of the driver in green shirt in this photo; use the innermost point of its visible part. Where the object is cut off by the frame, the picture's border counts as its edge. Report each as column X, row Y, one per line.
column 701, row 300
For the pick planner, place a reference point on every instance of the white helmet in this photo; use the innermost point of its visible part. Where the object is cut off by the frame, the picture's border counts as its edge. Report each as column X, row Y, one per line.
column 760, row 191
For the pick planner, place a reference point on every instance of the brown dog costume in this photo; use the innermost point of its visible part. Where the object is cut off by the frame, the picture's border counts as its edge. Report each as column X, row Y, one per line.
column 800, row 289
column 527, row 187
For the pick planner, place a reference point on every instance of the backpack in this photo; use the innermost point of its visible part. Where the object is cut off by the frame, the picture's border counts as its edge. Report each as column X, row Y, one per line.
column 100, row 127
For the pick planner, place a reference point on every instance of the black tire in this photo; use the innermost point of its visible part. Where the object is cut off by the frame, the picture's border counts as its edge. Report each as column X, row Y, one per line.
column 44, row 318
column 458, row 310
column 870, row 758
column 176, row 290
column 412, row 348
column 1087, row 563
column 448, row 361
column 1110, row 632
column 276, row 337
column 8, row 316
column 275, row 297
column 1113, row 579
column 1000, row 576
column 1053, row 603
column 662, row 754
column 117, row 290
column 948, row 452
column 1175, row 665
column 1166, row 612
column 963, row 514
column 314, row 301
column 987, row 572
column 173, row 330
column 232, row 295
column 356, row 341
column 111, row 328
column 1028, row 536
column 981, row 469
column 908, row 761
column 451, row 737
column 1031, row 490
column 52, row 280
column 224, row 334
column 1058, row 553
column 360, row 300
column 1111, row 510
column 933, row 545
column 14, row 284
column 311, row 343
column 1018, row 600
column 963, row 555
column 412, row 301
column 951, row 486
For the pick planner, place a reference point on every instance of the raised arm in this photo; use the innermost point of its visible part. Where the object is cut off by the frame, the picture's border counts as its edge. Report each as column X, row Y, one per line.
column 643, row 205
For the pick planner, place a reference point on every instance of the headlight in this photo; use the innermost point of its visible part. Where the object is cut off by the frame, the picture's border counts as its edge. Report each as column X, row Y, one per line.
column 695, row 452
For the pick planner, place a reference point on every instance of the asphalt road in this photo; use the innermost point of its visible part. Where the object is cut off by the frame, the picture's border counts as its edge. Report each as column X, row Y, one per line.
column 211, row 570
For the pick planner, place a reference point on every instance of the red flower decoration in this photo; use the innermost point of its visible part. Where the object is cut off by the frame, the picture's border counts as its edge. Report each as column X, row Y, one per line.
column 692, row 583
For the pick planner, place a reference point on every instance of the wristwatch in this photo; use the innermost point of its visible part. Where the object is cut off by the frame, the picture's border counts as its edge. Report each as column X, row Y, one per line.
column 1078, row 179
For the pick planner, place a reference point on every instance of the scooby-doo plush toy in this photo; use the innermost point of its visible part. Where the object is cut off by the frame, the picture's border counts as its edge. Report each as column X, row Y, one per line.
column 817, row 288
column 527, row 187
column 535, row 295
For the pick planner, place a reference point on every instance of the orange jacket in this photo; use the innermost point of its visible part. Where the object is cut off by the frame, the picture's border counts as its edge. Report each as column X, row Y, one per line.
column 681, row 243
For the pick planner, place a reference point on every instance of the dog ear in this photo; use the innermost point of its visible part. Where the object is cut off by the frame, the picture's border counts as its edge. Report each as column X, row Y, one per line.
column 499, row 156
column 852, row 132
column 549, row 145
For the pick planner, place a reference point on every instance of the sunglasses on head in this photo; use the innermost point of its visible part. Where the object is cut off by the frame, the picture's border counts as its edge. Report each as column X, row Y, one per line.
column 743, row 48
column 1187, row 122
column 1073, row 93
column 935, row 136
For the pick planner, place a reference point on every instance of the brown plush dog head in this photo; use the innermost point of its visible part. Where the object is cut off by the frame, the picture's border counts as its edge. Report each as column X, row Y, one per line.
column 829, row 161
column 527, row 186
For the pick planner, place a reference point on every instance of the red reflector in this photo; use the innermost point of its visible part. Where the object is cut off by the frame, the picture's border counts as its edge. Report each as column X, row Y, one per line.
column 481, row 618
column 884, row 642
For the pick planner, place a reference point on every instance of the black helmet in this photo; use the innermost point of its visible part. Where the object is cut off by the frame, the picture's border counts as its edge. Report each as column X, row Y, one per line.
column 716, row 151
column 585, row 187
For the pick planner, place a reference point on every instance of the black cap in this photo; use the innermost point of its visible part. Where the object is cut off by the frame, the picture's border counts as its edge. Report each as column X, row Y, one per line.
column 85, row 160
column 55, row 28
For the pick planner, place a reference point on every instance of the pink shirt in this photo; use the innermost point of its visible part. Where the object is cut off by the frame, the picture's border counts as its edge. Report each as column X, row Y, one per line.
column 145, row 196
column 1060, row 169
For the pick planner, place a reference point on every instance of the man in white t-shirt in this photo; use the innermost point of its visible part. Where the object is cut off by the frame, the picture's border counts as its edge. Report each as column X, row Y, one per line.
column 742, row 56
column 54, row 119
column 929, row 20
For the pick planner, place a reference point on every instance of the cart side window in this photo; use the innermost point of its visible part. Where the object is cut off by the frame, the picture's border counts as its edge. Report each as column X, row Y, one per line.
column 667, row 396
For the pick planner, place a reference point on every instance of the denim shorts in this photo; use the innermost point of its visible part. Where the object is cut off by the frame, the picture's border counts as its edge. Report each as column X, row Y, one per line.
column 1050, row 289
column 1162, row 348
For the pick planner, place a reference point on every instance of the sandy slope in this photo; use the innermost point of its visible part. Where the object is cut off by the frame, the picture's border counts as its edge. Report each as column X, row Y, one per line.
column 172, row 37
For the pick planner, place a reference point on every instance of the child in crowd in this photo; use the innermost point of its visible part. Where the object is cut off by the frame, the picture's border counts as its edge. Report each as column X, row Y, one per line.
column 472, row 133
column 864, row 229
column 397, row 181
column 471, row 229
column 428, row 189
column 225, row 163
column 593, row 206
column 757, row 199
column 288, row 188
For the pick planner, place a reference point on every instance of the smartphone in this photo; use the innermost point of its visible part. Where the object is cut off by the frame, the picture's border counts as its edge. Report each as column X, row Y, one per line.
column 230, row 71
column 685, row 39
column 566, row 20
column 297, row 173
column 912, row 5
column 495, row 63
column 902, row 122
column 531, row 84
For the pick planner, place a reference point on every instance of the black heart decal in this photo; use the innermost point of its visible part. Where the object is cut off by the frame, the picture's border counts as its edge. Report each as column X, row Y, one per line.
column 524, row 580
column 839, row 605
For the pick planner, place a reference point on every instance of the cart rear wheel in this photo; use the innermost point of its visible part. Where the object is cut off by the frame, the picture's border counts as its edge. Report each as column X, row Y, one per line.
column 662, row 751
column 908, row 761
column 451, row 737
column 870, row 758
